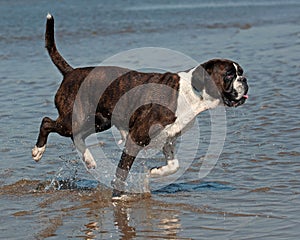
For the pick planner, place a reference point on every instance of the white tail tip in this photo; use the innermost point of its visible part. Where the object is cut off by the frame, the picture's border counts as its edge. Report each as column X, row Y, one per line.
column 49, row 16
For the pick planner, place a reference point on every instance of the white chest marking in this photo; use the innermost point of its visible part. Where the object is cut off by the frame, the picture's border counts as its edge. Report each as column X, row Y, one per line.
column 189, row 104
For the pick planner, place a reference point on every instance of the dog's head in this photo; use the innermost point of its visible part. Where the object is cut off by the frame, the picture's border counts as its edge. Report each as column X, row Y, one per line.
column 222, row 78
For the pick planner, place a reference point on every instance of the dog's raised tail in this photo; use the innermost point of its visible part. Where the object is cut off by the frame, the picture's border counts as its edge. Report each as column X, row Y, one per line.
column 55, row 56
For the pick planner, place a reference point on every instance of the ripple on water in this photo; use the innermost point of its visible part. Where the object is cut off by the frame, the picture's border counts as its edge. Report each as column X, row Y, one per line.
column 194, row 187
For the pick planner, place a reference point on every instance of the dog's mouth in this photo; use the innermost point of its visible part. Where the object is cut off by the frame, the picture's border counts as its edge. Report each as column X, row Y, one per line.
column 235, row 103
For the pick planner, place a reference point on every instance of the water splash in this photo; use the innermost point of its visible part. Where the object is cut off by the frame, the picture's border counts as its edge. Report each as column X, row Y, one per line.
column 67, row 177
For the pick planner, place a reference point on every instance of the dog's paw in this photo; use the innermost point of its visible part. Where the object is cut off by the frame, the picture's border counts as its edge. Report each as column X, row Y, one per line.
column 89, row 159
column 37, row 152
column 171, row 167
column 119, row 196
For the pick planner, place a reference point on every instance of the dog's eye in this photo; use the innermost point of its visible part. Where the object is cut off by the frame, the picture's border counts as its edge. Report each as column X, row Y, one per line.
column 229, row 75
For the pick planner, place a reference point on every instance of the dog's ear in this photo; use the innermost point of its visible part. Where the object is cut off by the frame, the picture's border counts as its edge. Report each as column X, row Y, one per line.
column 211, row 79
column 209, row 66
column 202, row 74
column 199, row 78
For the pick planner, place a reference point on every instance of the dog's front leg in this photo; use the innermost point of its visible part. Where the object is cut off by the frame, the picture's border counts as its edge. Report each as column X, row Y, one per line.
column 172, row 164
column 128, row 156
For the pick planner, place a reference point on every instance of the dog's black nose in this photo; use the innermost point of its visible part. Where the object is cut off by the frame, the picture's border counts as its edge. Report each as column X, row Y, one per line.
column 243, row 80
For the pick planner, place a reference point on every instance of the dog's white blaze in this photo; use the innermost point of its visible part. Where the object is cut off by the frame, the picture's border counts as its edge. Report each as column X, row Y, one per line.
column 236, row 69
column 37, row 152
column 237, row 85
column 171, row 167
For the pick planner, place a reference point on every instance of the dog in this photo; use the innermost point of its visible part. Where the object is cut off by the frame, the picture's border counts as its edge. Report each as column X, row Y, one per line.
column 171, row 102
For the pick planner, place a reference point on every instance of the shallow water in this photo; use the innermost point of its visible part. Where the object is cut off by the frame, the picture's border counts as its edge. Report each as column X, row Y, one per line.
column 251, row 193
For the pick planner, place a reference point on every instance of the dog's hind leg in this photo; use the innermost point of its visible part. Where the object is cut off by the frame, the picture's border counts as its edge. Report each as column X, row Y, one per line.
column 47, row 126
column 86, row 129
column 172, row 164
column 87, row 156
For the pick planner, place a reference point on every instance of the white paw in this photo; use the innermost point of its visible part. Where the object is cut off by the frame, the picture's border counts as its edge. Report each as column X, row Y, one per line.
column 37, row 152
column 89, row 159
column 171, row 167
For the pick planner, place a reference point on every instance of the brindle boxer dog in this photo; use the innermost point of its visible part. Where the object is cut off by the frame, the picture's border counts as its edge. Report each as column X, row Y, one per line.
column 218, row 81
